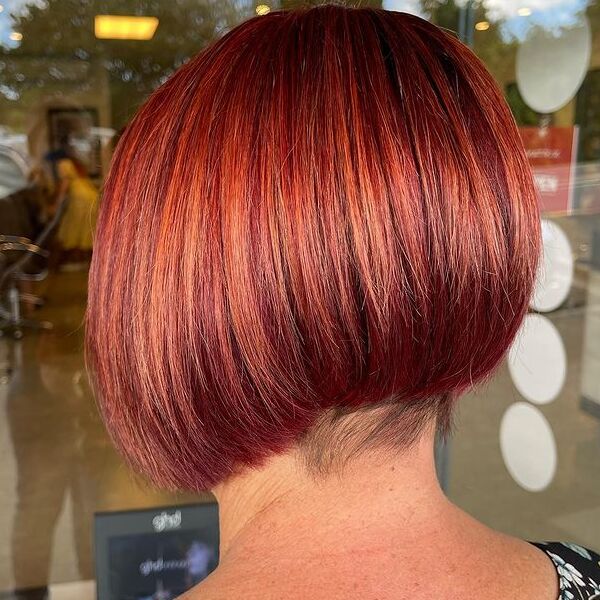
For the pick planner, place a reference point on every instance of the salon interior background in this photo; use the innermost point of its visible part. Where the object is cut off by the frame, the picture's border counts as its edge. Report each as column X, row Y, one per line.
column 526, row 455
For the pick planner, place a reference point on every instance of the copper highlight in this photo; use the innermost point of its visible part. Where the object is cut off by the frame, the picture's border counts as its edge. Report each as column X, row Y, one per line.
column 325, row 209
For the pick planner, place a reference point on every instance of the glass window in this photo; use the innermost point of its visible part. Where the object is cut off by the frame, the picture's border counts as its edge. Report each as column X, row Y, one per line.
column 526, row 454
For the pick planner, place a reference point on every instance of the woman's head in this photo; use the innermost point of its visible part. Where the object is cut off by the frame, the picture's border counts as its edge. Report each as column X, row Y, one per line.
column 326, row 217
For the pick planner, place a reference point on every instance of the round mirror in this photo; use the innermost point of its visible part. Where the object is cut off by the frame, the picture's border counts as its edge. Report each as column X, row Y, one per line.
column 551, row 65
column 537, row 360
column 555, row 274
column 528, row 447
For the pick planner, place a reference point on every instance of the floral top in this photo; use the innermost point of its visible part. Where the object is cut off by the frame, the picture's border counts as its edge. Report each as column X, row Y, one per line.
column 578, row 570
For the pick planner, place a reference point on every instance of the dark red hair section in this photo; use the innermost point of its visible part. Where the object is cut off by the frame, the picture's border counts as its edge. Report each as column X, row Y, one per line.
column 325, row 208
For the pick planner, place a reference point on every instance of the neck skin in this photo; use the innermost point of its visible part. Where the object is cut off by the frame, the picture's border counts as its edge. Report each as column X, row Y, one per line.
column 280, row 508
column 382, row 529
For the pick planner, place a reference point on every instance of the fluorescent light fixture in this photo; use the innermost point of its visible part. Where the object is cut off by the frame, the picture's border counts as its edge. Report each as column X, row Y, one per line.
column 482, row 26
column 1, row 8
column 15, row 36
column 113, row 27
column 263, row 9
column 524, row 12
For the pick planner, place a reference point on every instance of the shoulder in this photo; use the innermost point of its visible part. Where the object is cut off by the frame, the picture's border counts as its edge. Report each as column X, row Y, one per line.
column 578, row 569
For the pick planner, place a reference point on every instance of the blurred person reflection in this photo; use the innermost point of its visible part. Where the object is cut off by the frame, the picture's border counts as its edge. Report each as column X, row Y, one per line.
column 73, row 185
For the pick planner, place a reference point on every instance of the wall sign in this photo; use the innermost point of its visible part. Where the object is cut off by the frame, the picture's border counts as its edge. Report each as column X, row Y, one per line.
column 552, row 153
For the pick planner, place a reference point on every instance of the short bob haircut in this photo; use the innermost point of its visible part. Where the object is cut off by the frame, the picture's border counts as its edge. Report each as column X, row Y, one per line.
column 327, row 213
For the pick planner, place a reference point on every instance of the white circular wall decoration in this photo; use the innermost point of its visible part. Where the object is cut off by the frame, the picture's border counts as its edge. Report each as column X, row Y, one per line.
column 528, row 446
column 551, row 66
column 537, row 360
column 555, row 274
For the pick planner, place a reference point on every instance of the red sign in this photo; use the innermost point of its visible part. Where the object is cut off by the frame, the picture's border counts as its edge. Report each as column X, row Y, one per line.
column 552, row 153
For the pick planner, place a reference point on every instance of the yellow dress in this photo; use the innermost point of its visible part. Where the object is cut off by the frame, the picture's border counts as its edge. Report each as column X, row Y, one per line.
column 79, row 219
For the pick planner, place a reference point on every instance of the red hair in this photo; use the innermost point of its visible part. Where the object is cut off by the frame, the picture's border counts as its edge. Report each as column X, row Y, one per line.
column 328, row 208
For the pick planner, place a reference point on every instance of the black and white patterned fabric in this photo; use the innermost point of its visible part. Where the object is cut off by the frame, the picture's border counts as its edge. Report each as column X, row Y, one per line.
column 578, row 569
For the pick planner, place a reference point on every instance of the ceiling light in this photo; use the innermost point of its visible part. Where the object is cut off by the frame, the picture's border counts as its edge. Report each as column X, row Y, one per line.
column 1, row 8
column 112, row 27
column 263, row 9
column 524, row 12
column 15, row 36
column 482, row 26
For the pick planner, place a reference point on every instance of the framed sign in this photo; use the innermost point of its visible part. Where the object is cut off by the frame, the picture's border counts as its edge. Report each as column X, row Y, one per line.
column 552, row 153
column 155, row 553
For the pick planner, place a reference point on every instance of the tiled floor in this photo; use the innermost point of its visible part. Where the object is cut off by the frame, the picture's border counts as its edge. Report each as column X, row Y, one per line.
column 58, row 467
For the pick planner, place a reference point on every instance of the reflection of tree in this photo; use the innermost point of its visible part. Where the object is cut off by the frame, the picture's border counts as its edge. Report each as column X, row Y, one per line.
column 59, row 35
column 59, row 48
column 588, row 117
column 524, row 115
column 444, row 13
column 587, row 114
column 59, row 51
column 290, row 4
